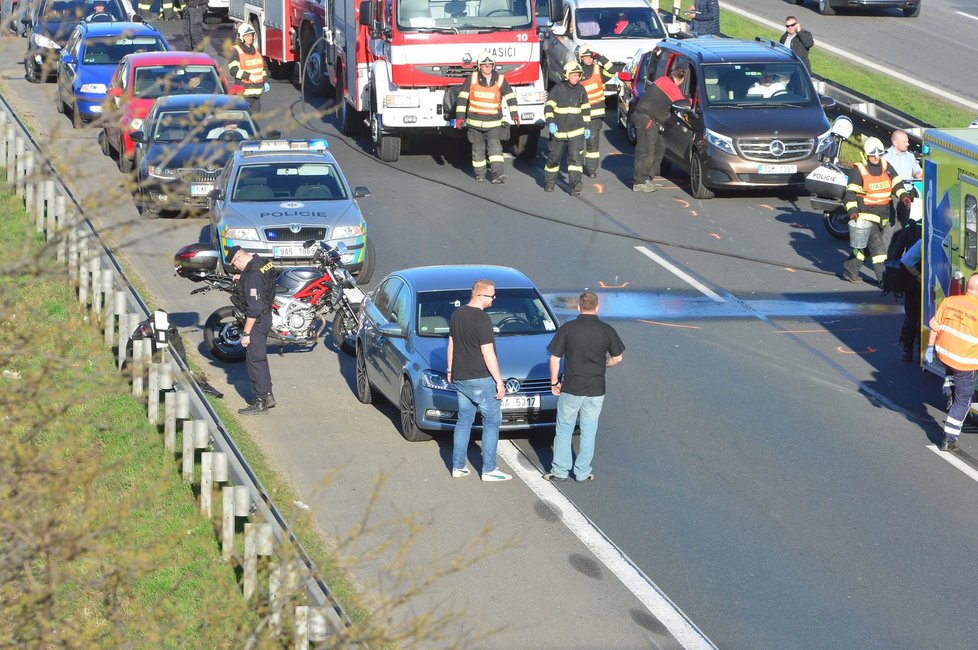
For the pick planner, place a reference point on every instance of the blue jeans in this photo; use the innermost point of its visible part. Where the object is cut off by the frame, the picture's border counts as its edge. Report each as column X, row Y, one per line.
column 477, row 394
column 569, row 407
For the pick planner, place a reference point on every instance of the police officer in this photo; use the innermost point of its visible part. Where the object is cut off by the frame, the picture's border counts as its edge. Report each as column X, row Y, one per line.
column 247, row 65
column 193, row 24
column 480, row 107
column 871, row 184
column 597, row 70
column 568, row 115
column 650, row 117
column 257, row 290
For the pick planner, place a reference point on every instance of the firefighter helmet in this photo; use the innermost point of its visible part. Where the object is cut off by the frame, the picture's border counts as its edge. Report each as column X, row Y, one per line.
column 485, row 58
column 583, row 52
column 873, row 147
column 571, row 67
column 244, row 29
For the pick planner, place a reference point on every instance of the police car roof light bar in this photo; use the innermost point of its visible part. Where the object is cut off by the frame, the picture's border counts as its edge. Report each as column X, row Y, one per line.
column 265, row 146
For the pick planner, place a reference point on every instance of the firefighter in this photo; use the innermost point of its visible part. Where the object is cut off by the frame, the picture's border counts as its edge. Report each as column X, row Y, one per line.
column 597, row 71
column 568, row 115
column 247, row 65
column 871, row 184
column 650, row 117
column 154, row 10
column 480, row 107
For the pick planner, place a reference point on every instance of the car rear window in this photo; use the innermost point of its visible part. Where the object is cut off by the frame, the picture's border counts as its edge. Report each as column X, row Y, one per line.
column 151, row 81
column 110, row 49
column 514, row 312
column 312, row 181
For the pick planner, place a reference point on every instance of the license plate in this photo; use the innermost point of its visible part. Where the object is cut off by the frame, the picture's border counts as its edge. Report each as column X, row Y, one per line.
column 521, row 402
column 293, row 251
column 200, row 189
column 777, row 169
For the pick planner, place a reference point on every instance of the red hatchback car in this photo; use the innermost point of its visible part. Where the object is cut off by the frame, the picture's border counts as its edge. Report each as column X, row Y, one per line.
column 139, row 80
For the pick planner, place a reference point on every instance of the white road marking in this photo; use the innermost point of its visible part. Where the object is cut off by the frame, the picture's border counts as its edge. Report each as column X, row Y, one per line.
column 934, row 90
column 961, row 13
column 641, row 586
column 957, row 462
column 679, row 273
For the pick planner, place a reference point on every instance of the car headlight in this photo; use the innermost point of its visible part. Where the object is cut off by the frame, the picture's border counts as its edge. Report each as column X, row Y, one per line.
column 400, row 100
column 93, row 88
column 823, row 141
column 721, row 142
column 343, row 232
column 135, row 124
column 161, row 172
column 247, row 234
column 435, row 380
column 531, row 97
column 44, row 41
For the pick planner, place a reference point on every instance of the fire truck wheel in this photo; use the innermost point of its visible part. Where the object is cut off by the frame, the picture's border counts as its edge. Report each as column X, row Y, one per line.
column 312, row 67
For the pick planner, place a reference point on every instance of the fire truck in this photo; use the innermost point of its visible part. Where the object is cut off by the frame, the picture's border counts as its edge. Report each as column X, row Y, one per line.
column 390, row 62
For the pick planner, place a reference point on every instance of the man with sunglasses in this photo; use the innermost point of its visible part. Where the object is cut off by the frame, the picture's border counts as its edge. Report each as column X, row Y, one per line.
column 798, row 40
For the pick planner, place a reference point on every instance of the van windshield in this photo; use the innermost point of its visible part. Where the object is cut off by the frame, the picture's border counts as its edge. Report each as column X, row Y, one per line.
column 618, row 22
column 758, row 84
column 455, row 16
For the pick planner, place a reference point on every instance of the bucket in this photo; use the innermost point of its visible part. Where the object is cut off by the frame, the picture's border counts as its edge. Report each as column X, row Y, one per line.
column 859, row 233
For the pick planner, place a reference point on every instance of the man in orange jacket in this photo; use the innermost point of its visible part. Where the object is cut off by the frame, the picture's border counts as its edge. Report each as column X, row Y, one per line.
column 954, row 336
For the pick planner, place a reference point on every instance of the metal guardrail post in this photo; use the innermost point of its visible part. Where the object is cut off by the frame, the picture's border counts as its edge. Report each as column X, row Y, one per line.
column 95, row 269
column 108, row 318
column 153, row 394
column 60, row 217
column 47, row 207
column 19, row 150
column 206, row 482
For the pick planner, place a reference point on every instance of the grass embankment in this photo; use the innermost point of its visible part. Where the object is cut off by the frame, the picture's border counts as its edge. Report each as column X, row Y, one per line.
column 886, row 90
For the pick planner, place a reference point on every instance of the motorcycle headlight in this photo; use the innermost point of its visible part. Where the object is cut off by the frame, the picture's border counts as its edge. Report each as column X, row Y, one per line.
column 345, row 232
column 161, row 172
column 44, row 41
column 247, row 234
column 721, row 142
column 435, row 380
column 823, row 141
column 135, row 124
column 93, row 88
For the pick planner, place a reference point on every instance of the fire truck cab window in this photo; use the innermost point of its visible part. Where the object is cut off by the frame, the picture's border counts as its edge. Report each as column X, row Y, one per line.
column 970, row 231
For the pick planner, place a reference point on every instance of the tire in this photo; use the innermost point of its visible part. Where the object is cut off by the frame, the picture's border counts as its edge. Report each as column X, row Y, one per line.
column 344, row 331
column 76, row 119
column 281, row 71
column 911, row 12
column 59, row 104
column 697, row 169
column 103, row 144
column 389, row 147
column 314, row 69
column 837, row 223
column 526, row 145
column 825, row 8
column 365, row 393
column 146, row 208
column 222, row 335
column 369, row 263
column 409, row 426
column 30, row 71
column 631, row 133
column 124, row 161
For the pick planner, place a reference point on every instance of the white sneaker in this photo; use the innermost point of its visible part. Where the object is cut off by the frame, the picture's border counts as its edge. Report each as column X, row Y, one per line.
column 459, row 473
column 495, row 475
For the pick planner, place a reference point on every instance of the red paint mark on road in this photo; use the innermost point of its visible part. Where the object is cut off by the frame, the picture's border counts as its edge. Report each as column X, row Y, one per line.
column 693, row 213
column 715, row 236
column 685, row 204
column 765, row 205
column 789, row 269
column 655, row 322
column 612, row 286
column 599, row 187
column 868, row 350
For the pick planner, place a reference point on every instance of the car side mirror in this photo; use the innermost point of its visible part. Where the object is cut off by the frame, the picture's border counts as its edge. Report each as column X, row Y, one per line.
column 215, row 194
column 360, row 191
column 624, row 75
column 67, row 58
column 558, row 30
column 366, row 19
column 827, row 102
column 137, row 136
column 115, row 91
column 391, row 329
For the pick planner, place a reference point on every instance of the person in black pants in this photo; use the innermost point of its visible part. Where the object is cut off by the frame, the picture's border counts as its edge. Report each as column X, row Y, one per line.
column 193, row 24
column 257, row 291
column 650, row 117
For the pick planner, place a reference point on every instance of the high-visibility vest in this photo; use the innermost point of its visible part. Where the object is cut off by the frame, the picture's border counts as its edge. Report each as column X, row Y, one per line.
column 594, row 85
column 253, row 64
column 485, row 100
column 956, row 324
column 876, row 188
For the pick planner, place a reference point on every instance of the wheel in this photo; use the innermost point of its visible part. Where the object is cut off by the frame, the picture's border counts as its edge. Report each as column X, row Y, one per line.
column 281, row 70
column 631, row 133
column 145, row 206
column 315, row 81
column 103, row 143
column 124, row 161
column 344, row 330
column 825, row 8
column 76, row 119
column 350, row 120
column 911, row 12
column 222, row 335
column 526, row 144
column 697, row 170
column 388, row 147
column 369, row 263
column 837, row 223
column 59, row 104
column 364, row 393
column 409, row 426
column 30, row 71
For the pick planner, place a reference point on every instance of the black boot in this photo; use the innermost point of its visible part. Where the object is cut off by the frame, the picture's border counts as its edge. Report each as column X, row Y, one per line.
column 270, row 400
column 257, row 406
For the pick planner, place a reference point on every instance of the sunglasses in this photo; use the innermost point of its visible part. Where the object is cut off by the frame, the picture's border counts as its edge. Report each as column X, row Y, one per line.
column 486, row 295
column 792, row 25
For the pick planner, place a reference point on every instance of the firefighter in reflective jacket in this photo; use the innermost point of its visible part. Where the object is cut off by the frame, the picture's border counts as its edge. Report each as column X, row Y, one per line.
column 247, row 65
column 597, row 70
column 568, row 115
column 153, row 10
column 871, row 184
column 480, row 107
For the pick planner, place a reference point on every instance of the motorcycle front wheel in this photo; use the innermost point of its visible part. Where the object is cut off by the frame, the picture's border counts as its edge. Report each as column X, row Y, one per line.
column 345, row 329
column 222, row 335
column 837, row 223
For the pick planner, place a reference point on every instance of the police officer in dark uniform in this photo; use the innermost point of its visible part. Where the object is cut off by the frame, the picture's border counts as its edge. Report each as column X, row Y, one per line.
column 257, row 290
column 193, row 24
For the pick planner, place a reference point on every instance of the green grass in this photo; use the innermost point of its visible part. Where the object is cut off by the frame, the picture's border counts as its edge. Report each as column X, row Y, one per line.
column 886, row 90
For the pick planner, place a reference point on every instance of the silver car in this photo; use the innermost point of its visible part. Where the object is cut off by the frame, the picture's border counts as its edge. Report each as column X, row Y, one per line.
column 274, row 195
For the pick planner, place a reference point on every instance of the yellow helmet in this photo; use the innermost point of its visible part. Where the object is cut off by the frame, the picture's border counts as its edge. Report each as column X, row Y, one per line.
column 571, row 67
column 583, row 52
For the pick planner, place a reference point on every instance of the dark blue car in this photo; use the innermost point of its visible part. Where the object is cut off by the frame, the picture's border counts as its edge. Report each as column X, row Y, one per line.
column 90, row 57
column 52, row 25
column 402, row 345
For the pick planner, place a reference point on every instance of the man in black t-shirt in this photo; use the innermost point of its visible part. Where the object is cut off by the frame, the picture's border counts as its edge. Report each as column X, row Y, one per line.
column 474, row 371
column 588, row 346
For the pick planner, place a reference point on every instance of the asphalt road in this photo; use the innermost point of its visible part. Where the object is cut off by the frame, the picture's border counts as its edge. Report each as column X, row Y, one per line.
column 763, row 455
column 936, row 47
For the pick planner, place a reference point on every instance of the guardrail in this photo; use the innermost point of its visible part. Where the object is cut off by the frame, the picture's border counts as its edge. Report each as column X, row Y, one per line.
column 293, row 594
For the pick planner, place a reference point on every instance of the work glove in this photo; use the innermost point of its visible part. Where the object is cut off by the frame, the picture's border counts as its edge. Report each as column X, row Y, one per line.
column 516, row 119
column 907, row 201
column 853, row 216
column 266, row 87
column 552, row 127
column 929, row 354
column 587, row 134
column 459, row 123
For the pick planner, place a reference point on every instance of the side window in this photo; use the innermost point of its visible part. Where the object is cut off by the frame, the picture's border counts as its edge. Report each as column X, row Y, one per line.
column 380, row 308
column 970, row 231
column 400, row 312
column 659, row 65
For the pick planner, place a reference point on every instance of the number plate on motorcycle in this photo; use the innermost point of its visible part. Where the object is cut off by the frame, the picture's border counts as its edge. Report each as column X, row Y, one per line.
column 777, row 169
column 521, row 402
column 293, row 251
column 200, row 189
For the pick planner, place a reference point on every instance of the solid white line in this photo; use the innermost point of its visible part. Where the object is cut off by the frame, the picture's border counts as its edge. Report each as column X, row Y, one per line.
column 957, row 462
column 961, row 13
column 641, row 586
column 934, row 90
column 682, row 275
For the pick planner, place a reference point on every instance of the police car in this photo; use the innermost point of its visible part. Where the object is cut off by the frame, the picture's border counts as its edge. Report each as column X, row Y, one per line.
column 274, row 195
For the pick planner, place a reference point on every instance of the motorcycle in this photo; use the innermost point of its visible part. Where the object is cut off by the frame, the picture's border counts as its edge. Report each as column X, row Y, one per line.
column 828, row 182
column 304, row 297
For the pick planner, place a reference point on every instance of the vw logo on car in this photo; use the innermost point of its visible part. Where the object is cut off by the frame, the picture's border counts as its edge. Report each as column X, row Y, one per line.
column 512, row 386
